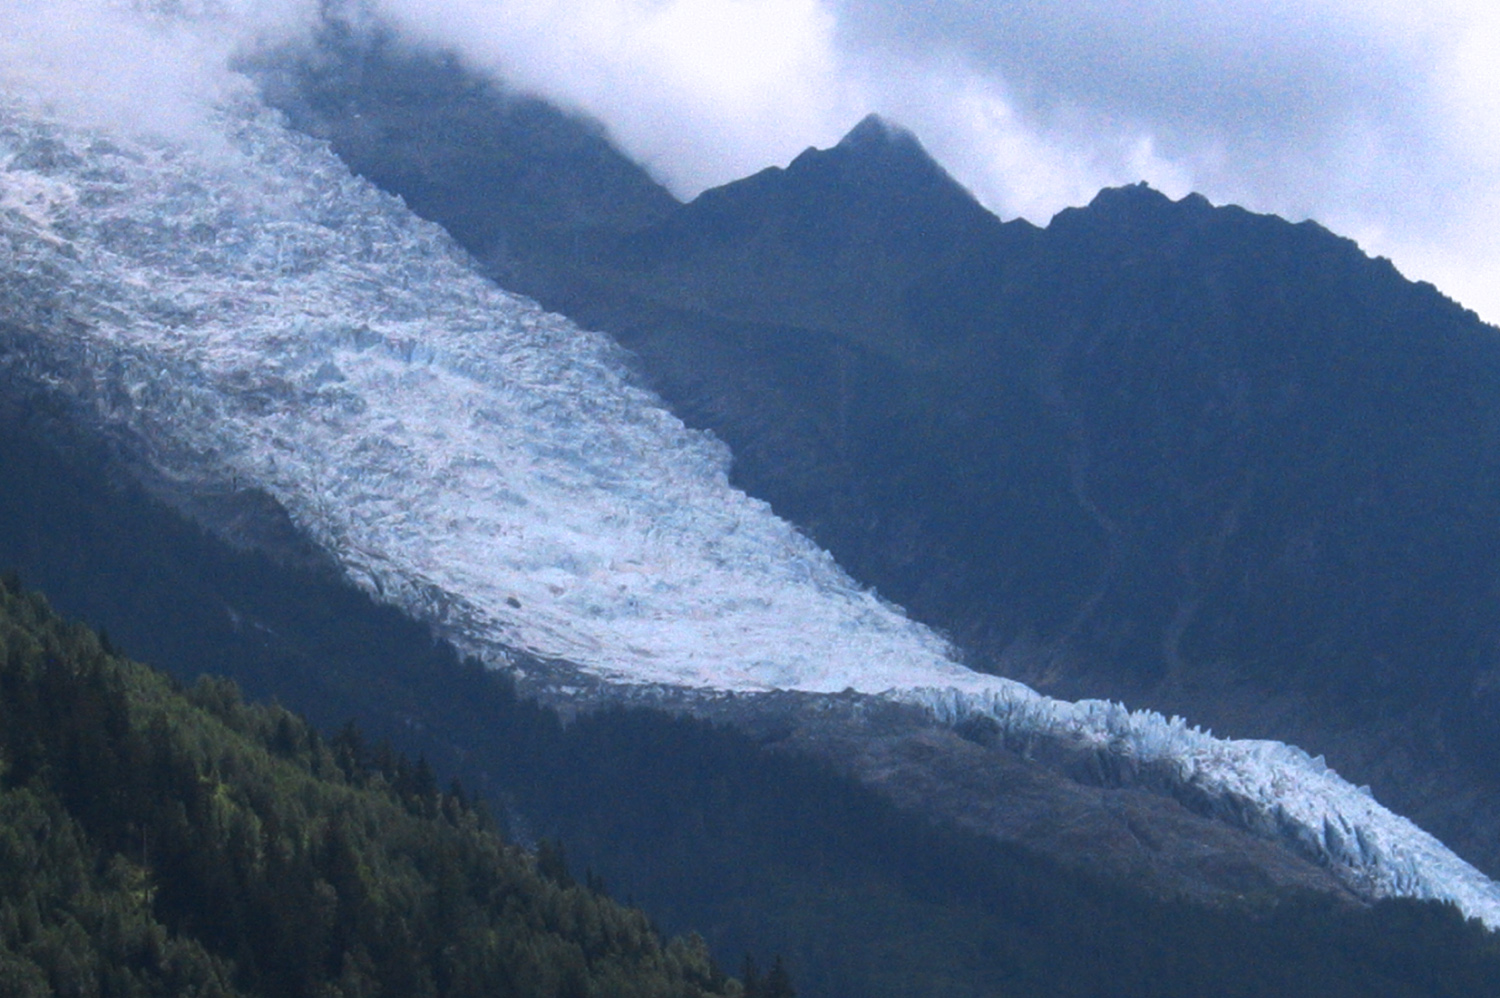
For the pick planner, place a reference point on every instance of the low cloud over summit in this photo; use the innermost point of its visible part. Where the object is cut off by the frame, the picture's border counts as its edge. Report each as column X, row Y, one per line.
column 1378, row 120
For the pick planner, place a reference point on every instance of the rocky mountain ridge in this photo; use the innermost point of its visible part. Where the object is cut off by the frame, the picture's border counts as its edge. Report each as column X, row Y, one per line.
column 485, row 467
column 205, row 327
column 1175, row 454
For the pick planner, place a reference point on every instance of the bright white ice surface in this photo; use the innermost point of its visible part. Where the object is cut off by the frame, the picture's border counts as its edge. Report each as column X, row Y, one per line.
column 261, row 317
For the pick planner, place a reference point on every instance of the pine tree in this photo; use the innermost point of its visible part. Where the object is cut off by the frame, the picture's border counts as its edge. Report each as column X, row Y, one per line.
column 750, row 978
column 778, row 983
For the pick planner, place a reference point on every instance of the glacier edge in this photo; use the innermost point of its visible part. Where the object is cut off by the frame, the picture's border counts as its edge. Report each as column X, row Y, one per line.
column 270, row 321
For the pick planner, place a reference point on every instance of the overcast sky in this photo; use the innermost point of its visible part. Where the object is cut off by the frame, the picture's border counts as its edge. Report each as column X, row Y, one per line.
column 1378, row 118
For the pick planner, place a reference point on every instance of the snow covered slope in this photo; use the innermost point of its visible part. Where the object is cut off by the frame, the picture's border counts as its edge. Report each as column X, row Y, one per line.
column 253, row 315
column 272, row 320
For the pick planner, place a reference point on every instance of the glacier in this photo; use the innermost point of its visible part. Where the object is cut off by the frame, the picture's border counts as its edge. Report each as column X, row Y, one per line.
column 251, row 315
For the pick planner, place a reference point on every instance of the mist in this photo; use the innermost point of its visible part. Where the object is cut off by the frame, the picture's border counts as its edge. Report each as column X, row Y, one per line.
column 151, row 69
column 1381, row 120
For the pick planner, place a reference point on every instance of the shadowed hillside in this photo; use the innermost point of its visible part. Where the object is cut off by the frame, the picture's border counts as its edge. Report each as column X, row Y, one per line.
column 156, row 842
column 744, row 836
column 1182, row 455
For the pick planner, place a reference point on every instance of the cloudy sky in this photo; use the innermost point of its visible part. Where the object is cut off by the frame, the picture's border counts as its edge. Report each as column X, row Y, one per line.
column 1378, row 118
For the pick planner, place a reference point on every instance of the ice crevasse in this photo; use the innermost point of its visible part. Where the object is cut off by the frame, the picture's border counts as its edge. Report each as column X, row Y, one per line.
column 251, row 314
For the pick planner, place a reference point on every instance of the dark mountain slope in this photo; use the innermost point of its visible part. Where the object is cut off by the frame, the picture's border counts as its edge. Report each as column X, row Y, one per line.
column 1291, row 449
column 1290, row 455
column 817, row 245
column 500, row 166
column 156, row 843
column 1186, row 456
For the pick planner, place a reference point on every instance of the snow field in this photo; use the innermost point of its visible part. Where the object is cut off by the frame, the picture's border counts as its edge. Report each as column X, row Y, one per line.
column 265, row 319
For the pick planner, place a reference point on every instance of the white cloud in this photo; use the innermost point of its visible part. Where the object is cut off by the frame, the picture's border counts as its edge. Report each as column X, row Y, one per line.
column 701, row 91
column 1379, row 118
column 149, row 67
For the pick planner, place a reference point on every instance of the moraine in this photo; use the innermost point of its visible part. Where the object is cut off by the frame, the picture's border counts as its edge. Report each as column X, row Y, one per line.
column 249, row 314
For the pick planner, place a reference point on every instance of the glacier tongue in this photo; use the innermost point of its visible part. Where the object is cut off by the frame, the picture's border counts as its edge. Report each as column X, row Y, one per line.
column 260, row 317
column 276, row 322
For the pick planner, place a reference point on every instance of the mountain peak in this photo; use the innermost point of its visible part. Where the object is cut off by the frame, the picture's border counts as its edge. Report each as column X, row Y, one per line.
column 1131, row 206
column 873, row 131
column 884, row 144
column 1141, row 196
column 880, row 161
column 1139, row 193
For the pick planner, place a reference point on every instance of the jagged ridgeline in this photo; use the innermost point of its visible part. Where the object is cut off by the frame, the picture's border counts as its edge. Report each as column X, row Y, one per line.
column 260, row 329
column 1178, row 455
column 161, row 842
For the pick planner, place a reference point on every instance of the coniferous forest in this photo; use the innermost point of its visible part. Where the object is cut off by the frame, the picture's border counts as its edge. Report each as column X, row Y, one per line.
column 1186, row 457
column 162, row 841
column 163, row 836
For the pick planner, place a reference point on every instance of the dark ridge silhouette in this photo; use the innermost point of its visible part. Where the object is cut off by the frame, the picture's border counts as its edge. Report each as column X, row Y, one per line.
column 1183, row 455
column 1132, row 451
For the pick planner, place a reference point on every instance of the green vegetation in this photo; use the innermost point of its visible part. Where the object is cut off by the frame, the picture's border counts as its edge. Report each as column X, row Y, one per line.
column 156, row 842
column 705, row 828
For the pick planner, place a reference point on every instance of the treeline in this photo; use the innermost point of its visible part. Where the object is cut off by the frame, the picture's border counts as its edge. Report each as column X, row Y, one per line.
column 703, row 827
column 155, row 841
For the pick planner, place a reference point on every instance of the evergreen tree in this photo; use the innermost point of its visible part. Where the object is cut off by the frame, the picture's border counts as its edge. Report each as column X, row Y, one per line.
column 778, row 983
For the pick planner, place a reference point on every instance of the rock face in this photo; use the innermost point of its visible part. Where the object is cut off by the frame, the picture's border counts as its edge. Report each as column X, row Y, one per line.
column 1098, row 811
column 1182, row 455
column 509, row 190
column 264, row 332
column 287, row 354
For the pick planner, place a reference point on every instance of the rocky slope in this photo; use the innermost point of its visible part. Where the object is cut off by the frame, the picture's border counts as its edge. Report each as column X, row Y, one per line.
column 1181, row 455
column 255, row 319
